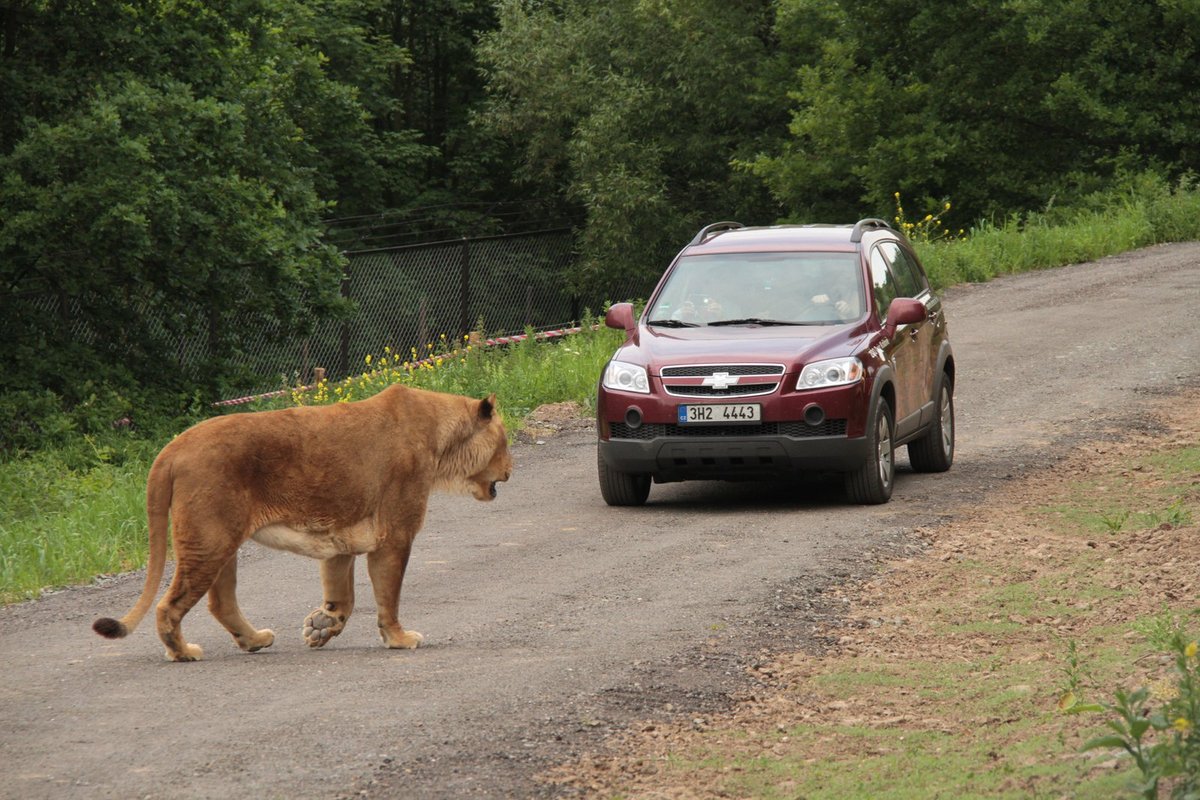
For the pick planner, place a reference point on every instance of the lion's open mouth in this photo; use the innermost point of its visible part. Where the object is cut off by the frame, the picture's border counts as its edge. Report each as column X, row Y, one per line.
column 492, row 489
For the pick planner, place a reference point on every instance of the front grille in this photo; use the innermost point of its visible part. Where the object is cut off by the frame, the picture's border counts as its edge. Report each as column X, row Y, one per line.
column 687, row 380
column 796, row 430
column 741, row 390
column 705, row 370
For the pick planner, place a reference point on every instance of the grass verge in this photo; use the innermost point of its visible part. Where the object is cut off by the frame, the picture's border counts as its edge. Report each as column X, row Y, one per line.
column 1144, row 210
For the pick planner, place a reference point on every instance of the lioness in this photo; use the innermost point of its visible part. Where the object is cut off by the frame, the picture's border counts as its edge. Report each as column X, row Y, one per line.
column 329, row 482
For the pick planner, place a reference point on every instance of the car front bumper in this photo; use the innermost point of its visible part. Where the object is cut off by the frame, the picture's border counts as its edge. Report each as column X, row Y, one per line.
column 753, row 457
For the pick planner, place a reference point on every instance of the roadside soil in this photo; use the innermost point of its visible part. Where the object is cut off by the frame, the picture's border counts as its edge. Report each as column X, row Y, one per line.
column 1071, row 554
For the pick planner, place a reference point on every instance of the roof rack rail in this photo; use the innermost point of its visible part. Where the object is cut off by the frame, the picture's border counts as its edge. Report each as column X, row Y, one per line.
column 862, row 225
column 713, row 230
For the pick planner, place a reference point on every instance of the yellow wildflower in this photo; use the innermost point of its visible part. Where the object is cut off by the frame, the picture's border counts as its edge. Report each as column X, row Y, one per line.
column 1163, row 690
column 1190, row 650
column 1183, row 725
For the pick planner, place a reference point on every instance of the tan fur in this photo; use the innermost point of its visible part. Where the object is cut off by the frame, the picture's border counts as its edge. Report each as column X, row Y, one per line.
column 329, row 482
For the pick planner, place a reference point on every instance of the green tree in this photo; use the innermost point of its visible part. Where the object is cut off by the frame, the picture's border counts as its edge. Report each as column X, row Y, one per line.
column 634, row 111
column 1001, row 105
column 164, row 169
column 440, row 87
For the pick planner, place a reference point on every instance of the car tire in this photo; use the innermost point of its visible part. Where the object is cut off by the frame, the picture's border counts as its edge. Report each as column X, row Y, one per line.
column 934, row 452
column 621, row 488
column 871, row 484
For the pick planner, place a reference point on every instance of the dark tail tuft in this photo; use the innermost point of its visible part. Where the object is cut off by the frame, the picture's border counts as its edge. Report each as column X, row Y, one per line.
column 109, row 628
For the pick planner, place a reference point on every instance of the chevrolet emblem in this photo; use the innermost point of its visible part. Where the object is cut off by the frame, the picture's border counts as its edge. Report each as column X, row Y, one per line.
column 721, row 380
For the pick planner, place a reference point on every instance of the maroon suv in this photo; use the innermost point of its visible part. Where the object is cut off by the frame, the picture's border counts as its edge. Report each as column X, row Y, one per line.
column 767, row 352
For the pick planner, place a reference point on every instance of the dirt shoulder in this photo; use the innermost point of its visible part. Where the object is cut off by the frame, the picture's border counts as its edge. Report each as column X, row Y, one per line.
column 945, row 676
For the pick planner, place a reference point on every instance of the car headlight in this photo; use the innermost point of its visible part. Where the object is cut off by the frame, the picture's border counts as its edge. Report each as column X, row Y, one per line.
column 831, row 372
column 625, row 377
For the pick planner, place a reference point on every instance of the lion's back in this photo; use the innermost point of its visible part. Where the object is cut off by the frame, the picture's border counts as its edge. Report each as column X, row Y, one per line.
column 277, row 455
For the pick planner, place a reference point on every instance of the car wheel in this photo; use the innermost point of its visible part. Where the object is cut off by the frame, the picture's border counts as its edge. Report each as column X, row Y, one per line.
column 621, row 488
column 934, row 452
column 871, row 484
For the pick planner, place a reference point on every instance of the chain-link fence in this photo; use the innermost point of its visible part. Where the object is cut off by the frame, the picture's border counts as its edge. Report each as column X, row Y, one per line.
column 405, row 297
column 409, row 297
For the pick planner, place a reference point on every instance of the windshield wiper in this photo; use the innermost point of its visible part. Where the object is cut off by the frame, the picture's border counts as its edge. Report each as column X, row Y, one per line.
column 672, row 323
column 760, row 321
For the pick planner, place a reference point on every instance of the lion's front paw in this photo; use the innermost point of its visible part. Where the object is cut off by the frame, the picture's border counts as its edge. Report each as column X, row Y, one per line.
column 401, row 639
column 320, row 627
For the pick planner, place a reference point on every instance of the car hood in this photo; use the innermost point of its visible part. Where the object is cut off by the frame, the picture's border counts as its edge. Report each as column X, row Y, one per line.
column 789, row 345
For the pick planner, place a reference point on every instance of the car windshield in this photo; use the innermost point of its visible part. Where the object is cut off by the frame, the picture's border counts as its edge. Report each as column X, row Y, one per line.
column 761, row 288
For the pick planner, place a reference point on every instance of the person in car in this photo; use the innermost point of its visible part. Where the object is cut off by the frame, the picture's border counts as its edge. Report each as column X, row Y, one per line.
column 837, row 296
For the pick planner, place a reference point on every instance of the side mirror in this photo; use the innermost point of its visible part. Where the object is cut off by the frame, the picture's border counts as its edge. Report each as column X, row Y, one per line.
column 904, row 311
column 620, row 316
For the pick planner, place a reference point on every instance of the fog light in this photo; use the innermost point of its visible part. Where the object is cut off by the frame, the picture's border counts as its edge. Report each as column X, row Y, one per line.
column 633, row 418
column 813, row 414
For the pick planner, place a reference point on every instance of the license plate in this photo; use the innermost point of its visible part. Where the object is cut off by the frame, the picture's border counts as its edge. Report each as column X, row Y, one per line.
column 723, row 414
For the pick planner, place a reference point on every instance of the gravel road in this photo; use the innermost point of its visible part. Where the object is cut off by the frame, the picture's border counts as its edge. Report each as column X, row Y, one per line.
column 551, row 619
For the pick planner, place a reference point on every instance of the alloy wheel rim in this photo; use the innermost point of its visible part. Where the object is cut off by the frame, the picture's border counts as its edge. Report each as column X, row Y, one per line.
column 884, row 437
column 947, row 423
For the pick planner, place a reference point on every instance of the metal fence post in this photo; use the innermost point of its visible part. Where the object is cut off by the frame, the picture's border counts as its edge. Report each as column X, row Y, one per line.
column 464, row 310
column 423, row 323
column 344, row 350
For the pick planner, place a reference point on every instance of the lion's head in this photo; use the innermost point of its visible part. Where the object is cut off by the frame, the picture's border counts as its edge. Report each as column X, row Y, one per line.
column 489, row 447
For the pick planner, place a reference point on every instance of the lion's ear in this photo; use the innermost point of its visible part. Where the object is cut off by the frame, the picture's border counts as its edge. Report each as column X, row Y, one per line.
column 487, row 406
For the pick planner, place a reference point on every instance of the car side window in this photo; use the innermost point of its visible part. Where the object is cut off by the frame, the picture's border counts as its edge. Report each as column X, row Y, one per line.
column 882, row 282
column 905, row 263
column 903, row 270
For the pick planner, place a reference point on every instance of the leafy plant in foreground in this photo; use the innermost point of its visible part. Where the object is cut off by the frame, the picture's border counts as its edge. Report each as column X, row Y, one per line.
column 1159, row 729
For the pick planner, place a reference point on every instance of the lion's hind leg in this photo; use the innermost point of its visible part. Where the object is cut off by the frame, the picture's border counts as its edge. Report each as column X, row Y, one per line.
column 185, row 591
column 222, row 602
column 337, row 586
column 201, row 553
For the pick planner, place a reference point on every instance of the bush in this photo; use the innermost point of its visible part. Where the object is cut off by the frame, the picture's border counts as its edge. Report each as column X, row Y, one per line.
column 32, row 421
column 102, row 428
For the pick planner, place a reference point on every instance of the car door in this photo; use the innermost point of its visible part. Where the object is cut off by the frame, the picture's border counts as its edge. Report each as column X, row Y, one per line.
column 903, row 350
column 926, row 334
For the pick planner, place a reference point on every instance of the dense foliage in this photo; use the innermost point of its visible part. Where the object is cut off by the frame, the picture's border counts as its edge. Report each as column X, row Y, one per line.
column 636, row 111
column 168, row 156
column 1004, row 106
column 195, row 158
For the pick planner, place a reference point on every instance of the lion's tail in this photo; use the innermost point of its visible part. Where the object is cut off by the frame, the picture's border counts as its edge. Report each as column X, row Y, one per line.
column 158, row 506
